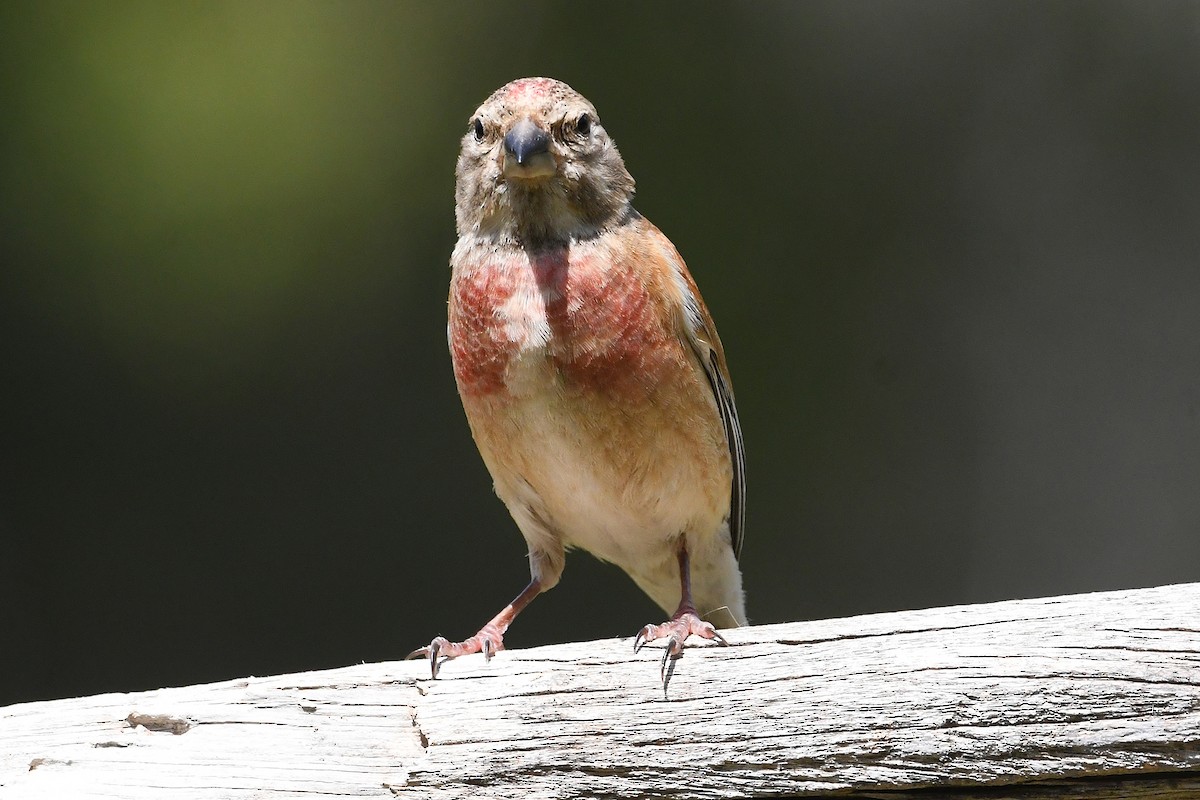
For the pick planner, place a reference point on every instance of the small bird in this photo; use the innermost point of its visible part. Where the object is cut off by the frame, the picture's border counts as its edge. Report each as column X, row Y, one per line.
column 590, row 370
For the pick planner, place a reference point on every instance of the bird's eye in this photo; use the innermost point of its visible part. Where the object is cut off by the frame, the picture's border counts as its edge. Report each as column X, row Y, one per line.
column 477, row 127
column 584, row 124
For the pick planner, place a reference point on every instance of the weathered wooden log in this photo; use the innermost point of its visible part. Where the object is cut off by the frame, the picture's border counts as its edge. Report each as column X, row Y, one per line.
column 1087, row 696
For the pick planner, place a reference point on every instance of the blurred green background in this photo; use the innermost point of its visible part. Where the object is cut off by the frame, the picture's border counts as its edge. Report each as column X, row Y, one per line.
column 953, row 250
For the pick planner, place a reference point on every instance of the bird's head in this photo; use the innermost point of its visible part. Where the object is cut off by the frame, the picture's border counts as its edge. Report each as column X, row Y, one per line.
column 536, row 165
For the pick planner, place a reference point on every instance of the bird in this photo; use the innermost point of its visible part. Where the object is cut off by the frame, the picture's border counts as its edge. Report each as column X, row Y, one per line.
column 590, row 370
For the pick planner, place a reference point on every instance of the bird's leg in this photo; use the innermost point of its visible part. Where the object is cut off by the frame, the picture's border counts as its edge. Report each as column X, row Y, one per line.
column 683, row 623
column 489, row 640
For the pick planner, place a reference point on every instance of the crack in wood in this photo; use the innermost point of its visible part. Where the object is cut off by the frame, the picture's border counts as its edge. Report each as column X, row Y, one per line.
column 905, row 631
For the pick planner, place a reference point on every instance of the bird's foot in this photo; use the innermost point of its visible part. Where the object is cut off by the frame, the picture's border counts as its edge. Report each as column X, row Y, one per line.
column 675, row 631
column 489, row 641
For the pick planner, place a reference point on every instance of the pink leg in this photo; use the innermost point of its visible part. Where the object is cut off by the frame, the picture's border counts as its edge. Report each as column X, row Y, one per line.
column 489, row 640
column 683, row 623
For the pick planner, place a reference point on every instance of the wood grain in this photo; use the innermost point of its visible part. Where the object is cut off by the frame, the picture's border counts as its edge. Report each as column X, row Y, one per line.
column 1086, row 696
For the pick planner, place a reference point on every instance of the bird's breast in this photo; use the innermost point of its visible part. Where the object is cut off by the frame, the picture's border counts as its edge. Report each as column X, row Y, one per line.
column 583, row 319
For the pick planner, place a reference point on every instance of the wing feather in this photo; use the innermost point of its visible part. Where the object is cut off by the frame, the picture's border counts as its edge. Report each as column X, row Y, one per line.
column 701, row 334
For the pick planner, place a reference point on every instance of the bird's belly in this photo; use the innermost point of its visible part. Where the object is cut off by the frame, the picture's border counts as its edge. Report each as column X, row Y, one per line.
column 618, row 476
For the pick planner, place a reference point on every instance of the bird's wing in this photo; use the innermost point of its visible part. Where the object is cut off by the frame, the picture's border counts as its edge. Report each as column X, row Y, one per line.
column 701, row 333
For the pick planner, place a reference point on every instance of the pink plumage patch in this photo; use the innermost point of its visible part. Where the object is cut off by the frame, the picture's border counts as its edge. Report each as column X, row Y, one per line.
column 530, row 89
column 607, row 333
column 607, row 336
column 478, row 343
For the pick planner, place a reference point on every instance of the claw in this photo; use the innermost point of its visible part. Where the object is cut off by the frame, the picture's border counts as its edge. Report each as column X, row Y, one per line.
column 662, row 667
column 488, row 649
column 430, row 651
column 675, row 631
column 667, row 670
column 435, row 647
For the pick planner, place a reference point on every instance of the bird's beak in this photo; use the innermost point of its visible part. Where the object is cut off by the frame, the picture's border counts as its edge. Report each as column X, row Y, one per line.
column 527, row 151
